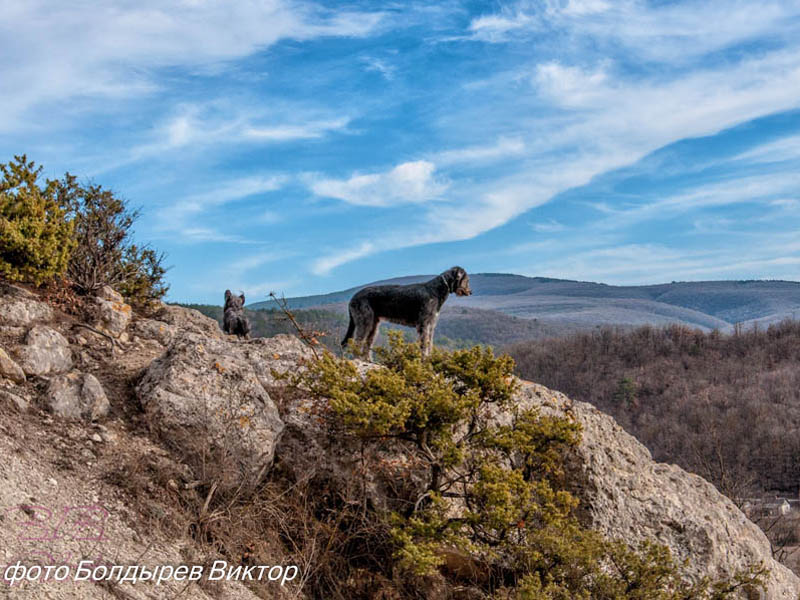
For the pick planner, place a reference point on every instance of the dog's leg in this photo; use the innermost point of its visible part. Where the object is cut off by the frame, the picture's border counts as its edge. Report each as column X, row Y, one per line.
column 371, row 335
column 365, row 318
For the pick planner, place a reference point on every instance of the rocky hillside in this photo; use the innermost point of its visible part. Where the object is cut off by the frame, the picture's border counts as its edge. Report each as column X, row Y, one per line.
column 126, row 440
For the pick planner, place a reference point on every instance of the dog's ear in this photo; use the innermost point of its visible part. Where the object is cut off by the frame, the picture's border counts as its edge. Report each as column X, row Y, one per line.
column 227, row 295
column 242, row 297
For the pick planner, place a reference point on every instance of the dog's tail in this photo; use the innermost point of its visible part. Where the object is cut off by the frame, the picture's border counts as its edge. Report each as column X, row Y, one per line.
column 350, row 329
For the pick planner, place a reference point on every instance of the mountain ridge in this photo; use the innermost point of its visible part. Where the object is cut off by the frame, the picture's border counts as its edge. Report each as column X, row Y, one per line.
column 711, row 304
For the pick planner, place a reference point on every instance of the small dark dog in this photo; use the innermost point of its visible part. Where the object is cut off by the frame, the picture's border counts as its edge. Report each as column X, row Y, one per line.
column 234, row 320
column 416, row 305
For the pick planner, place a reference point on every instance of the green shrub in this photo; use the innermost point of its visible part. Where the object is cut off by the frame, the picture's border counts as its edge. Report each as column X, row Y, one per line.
column 494, row 492
column 35, row 233
column 105, row 254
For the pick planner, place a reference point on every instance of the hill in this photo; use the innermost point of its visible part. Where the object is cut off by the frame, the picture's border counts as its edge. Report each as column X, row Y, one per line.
column 156, row 444
column 559, row 307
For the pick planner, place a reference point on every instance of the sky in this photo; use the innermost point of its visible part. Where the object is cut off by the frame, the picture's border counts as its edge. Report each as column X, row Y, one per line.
column 306, row 147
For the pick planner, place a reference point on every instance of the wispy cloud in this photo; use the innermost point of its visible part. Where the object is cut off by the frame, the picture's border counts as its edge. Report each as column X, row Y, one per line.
column 54, row 51
column 504, row 147
column 326, row 264
column 407, row 183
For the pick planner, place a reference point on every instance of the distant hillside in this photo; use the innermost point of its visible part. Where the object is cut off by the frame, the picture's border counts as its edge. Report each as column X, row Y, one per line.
column 458, row 327
column 564, row 306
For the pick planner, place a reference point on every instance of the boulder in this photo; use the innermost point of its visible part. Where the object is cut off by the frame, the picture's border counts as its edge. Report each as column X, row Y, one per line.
column 113, row 316
column 188, row 319
column 150, row 329
column 15, row 397
column 9, row 369
column 45, row 352
column 623, row 492
column 20, row 308
column 108, row 293
column 204, row 397
column 77, row 396
column 627, row 495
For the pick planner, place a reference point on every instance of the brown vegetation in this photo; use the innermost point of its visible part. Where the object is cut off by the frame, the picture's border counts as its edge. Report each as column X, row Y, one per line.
column 724, row 406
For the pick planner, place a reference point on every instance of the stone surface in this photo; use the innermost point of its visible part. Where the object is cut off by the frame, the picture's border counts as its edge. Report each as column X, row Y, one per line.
column 77, row 396
column 45, row 352
column 188, row 319
column 204, row 395
column 150, row 329
column 627, row 495
column 113, row 314
column 18, row 307
column 108, row 293
column 16, row 398
column 9, row 369
column 623, row 492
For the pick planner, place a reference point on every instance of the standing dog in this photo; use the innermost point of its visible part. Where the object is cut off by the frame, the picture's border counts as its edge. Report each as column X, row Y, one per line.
column 234, row 320
column 416, row 305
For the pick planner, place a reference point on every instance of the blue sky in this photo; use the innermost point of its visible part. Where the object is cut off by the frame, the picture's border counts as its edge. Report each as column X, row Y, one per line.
column 307, row 147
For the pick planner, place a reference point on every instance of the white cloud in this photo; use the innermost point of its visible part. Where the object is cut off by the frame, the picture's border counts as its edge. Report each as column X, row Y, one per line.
column 497, row 27
column 303, row 131
column 550, row 226
column 181, row 219
column 407, row 183
column 504, row 147
column 787, row 148
column 326, row 264
column 53, row 51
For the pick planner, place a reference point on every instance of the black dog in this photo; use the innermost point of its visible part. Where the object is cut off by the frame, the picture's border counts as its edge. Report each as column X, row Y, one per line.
column 416, row 305
column 233, row 320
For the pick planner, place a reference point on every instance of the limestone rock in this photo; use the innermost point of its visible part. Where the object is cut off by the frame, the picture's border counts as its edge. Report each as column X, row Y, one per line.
column 204, row 397
column 627, row 495
column 108, row 293
column 113, row 316
column 623, row 492
column 46, row 351
column 189, row 319
column 18, row 307
column 77, row 396
column 150, row 329
column 15, row 397
column 9, row 369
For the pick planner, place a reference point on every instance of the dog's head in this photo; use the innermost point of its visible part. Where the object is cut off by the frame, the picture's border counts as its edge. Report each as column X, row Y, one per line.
column 458, row 281
column 234, row 302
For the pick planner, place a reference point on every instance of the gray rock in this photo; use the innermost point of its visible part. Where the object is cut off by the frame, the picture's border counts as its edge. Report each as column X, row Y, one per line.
column 150, row 329
column 77, row 396
column 113, row 317
column 9, row 369
column 188, row 319
column 623, row 492
column 15, row 398
column 18, row 307
column 205, row 398
column 627, row 495
column 45, row 352
column 108, row 293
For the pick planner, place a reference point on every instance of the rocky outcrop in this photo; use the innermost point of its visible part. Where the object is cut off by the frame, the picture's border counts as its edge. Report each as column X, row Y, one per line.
column 15, row 397
column 77, row 396
column 209, row 395
column 150, row 329
column 20, row 308
column 188, row 319
column 113, row 314
column 45, row 352
column 628, row 496
column 205, row 395
column 623, row 492
column 9, row 369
